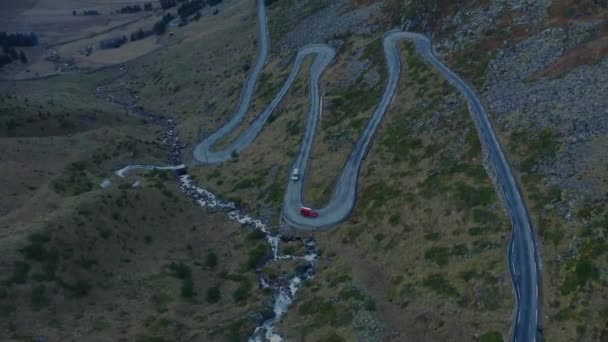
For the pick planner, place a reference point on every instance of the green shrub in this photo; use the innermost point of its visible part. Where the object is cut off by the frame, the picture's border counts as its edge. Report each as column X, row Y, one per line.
column 434, row 236
column 538, row 146
column 7, row 309
column 256, row 234
column 273, row 194
column 247, row 183
column 187, row 288
column 332, row 337
column 438, row 255
column 324, row 312
column 395, row 219
column 377, row 195
column 564, row 315
column 459, row 250
column 256, row 254
column 241, row 294
column 432, row 185
column 180, row 270
column 21, row 270
column 80, row 288
column 476, row 231
column 351, row 292
column 492, row 336
column 483, row 216
column 211, row 260
column 553, row 234
column 51, row 264
column 184, row 273
column 584, row 271
column 39, row 298
column 438, row 284
column 474, row 196
column 35, row 249
column 213, row 295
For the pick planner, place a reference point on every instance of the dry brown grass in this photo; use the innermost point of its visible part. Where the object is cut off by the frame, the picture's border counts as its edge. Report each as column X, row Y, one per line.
column 589, row 52
column 56, row 26
column 99, row 58
column 563, row 12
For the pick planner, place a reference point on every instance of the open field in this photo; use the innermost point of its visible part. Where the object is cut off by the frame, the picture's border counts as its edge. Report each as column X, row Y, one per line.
column 64, row 36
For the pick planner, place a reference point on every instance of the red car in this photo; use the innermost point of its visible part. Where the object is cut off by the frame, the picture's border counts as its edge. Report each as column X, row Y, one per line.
column 308, row 212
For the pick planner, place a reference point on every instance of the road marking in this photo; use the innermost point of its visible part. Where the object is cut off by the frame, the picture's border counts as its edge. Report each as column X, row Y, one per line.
column 320, row 108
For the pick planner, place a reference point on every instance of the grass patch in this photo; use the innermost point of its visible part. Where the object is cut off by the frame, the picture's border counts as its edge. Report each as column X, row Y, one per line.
column 583, row 271
column 242, row 293
column 324, row 312
column 472, row 196
column 20, row 274
column 213, row 295
column 256, row 255
column 74, row 181
column 437, row 283
column 184, row 273
column 39, row 297
column 533, row 147
column 492, row 336
column 438, row 255
column 376, row 196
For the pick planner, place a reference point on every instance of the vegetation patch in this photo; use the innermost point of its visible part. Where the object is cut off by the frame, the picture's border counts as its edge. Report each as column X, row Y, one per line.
column 533, row 148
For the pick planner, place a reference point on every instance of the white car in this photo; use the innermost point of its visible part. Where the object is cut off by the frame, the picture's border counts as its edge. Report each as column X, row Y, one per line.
column 295, row 175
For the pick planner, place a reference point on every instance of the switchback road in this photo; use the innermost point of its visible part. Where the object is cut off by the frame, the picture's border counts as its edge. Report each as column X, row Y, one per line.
column 524, row 263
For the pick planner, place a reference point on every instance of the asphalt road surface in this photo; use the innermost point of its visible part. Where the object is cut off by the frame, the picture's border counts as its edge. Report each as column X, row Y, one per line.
column 524, row 263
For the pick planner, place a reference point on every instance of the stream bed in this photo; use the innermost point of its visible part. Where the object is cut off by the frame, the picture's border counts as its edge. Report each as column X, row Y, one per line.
column 283, row 287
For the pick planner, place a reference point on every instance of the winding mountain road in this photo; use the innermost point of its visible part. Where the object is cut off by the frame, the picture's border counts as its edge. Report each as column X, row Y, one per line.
column 523, row 259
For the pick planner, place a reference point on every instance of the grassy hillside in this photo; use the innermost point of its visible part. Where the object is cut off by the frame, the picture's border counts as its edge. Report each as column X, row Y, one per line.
column 423, row 256
column 428, row 218
column 135, row 263
column 428, row 236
